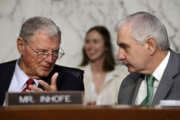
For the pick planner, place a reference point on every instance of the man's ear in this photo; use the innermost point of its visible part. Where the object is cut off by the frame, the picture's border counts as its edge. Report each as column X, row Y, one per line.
column 20, row 44
column 151, row 45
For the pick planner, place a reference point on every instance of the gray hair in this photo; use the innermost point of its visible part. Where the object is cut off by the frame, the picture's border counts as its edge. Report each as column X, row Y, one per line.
column 145, row 25
column 38, row 24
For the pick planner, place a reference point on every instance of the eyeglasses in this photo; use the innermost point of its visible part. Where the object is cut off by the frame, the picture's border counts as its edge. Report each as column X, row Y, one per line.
column 42, row 53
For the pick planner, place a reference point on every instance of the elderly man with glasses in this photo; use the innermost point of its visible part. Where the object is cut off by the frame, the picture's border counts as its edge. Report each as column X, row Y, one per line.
column 39, row 47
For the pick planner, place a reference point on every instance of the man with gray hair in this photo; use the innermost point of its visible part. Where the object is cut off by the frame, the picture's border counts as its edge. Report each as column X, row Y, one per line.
column 39, row 47
column 154, row 68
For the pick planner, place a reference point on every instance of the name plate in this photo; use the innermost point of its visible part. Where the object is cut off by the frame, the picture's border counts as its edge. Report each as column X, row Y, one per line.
column 65, row 97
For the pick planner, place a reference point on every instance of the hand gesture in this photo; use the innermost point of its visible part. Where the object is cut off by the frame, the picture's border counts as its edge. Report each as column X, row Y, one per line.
column 46, row 87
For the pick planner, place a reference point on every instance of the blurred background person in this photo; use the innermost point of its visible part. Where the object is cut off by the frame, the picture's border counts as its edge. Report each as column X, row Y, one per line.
column 101, row 77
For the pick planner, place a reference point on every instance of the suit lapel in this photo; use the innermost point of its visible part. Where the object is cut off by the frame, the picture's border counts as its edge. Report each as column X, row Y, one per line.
column 129, row 89
column 136, row 90
column 162, row 90
column 167, row 79
column 7, row 70
column 7, row 76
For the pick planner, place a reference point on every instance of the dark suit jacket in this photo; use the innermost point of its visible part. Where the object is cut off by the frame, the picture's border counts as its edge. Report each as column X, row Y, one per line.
column 68, row 79
column 169, row 86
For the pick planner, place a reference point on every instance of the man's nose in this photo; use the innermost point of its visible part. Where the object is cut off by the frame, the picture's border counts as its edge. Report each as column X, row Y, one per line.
column 50, row 58
column 120, row 55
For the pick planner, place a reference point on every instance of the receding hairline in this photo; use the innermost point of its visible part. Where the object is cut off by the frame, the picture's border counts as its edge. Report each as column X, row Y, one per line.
column 144, row 25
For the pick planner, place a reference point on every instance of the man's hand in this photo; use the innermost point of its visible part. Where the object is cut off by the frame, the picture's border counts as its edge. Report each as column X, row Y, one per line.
column 47, row 88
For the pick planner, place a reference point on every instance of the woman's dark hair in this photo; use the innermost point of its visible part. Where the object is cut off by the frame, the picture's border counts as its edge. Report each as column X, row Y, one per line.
column 109, row 62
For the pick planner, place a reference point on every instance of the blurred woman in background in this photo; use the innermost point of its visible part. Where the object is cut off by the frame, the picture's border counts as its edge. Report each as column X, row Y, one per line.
column 101, row 78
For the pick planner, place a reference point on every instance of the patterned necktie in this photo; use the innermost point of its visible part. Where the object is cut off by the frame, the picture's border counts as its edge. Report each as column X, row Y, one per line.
column 28, row 82
column 148, row 99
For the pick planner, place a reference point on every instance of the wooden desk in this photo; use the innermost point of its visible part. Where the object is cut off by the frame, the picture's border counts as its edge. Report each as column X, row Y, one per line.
column 87, row 113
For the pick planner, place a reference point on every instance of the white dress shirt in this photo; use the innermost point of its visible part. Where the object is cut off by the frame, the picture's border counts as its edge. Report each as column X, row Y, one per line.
column 158, row 73
column 109, row 93
column 18, row 82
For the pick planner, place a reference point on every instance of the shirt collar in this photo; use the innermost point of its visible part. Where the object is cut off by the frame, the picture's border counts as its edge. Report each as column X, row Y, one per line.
column 158, row 73
column 21, row 75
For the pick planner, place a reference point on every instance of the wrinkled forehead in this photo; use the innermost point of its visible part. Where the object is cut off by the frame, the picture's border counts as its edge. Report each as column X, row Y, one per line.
column 40, row 34
column 46, row 40
column 125, row 35
column 125, row 30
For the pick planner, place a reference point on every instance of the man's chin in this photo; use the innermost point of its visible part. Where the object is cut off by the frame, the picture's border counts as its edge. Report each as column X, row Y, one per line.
column 44, row 73
column 131, row 69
